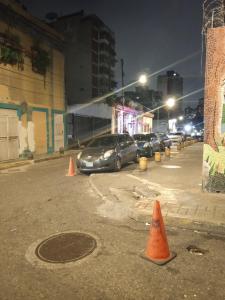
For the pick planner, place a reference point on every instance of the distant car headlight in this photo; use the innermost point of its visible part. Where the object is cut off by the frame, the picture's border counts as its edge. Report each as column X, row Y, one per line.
column 79, row 155
column 146, row 145
column 108, row 153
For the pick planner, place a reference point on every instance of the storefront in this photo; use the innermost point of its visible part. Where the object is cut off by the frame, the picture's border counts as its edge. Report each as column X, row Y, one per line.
column 126, row 119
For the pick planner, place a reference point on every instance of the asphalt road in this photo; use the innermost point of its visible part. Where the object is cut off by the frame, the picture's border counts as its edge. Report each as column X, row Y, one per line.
column 39, row 200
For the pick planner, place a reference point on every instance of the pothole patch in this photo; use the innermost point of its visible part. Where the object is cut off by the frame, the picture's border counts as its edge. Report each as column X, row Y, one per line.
column 66, row 247
column 195, row 250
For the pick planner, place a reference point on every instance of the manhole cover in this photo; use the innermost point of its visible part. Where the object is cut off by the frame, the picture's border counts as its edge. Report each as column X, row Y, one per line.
column 66, row 247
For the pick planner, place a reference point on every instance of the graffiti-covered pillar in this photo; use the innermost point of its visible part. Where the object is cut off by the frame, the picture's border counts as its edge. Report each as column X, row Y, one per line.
column 214, row 114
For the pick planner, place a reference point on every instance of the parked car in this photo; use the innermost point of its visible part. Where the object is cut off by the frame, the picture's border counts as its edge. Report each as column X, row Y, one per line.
column 108, row 152
column 155, row 141
column 176, row 137
column 144, row 145
column 147, row 144
column 165, row 141
column 187, row 137
column 199, row 138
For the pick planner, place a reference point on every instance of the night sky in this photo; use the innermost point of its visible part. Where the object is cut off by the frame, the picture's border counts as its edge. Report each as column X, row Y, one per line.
column 150, row 34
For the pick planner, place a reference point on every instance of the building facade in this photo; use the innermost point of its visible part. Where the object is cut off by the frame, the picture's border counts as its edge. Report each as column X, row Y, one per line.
column 171, row 85
column 146, row 97
column 89, row 55
column 214, row 103
column 128, row 119
column 32, row 106
column 87, row 121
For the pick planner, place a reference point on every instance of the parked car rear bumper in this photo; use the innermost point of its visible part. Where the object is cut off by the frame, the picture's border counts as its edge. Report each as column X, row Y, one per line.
column 145, row 151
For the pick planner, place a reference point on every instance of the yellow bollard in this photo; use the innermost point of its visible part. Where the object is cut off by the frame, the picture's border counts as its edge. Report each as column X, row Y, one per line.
column 178, row 147
column 157, row 156
column 167, row 152
column 143, row 163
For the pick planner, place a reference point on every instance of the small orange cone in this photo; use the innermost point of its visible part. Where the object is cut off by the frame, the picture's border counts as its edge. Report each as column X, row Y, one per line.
column 157, row 247
column 71, row 171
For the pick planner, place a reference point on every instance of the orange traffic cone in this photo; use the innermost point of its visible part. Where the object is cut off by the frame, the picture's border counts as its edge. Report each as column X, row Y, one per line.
column 71, row 171
column 157, row 248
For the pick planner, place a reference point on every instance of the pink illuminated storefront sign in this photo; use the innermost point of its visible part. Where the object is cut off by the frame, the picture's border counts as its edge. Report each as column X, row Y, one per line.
column 131, row 121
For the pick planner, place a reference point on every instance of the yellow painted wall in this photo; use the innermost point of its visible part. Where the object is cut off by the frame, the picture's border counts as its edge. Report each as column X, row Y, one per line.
column 40, row 132
column 19, row 86
column 27, row 86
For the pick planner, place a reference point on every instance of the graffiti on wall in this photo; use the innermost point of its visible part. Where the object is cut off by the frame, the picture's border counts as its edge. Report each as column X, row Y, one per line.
column 214, row 145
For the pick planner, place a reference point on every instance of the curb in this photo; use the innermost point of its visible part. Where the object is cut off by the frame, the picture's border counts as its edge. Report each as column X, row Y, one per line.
column 37, row 160
column 197, row 226
column 10, row 165
column 14, row 164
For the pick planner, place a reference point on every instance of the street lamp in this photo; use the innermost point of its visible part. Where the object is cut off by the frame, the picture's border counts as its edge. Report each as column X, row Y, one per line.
column 181, row 118
column 170, row 102
column 188, row 127
column 143, row 79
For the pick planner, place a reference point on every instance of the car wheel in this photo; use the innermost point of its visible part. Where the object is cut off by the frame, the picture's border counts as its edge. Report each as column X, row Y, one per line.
column 162, row 147
column 118, row 164
column 151, row 152
column 137, row 158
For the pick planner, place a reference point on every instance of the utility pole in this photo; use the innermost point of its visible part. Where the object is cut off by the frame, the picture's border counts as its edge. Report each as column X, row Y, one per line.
column 122, row 83
column 122, row 75
column 158, row 120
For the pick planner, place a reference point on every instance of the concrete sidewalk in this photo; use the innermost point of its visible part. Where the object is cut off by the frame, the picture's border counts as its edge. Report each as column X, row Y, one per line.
column 175, row 182
column 37, row 158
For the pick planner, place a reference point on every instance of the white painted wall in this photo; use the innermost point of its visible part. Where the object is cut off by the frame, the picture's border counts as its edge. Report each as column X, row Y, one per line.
column 98, row 110
column 30, row 136
column 23, row 142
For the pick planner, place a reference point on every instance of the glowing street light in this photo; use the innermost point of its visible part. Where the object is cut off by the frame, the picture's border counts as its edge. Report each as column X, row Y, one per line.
column 170, row 102
column 142, row 79
column 181, row 118
column 188, row 128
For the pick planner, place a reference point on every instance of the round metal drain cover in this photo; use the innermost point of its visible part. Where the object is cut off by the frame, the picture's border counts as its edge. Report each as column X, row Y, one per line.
column 66, row 247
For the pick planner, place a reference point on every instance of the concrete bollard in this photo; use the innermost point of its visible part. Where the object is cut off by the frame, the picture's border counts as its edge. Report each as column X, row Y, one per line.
column 167, row 152
column 143, row 163
column 157, row 156
column 178, row 147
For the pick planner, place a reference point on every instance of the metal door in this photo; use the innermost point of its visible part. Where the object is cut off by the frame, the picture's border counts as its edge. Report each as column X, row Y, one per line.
column 40, row 131
column 9, row 138
column 58, row 131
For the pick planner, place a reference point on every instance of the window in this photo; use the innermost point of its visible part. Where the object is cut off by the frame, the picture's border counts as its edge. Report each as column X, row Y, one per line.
column 94, row 81
column 94, row 69
column 94, row 92
column 122, row 138
column 94, row 46
column 94, row 58
column 95, row 34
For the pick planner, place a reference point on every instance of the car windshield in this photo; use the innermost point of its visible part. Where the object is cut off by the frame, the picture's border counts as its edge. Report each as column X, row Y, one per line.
column 174, row 133
column 150, row 136
column 139, row 137
column 105, row 141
